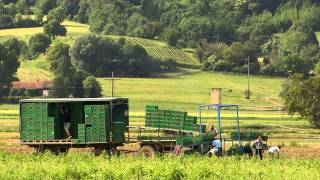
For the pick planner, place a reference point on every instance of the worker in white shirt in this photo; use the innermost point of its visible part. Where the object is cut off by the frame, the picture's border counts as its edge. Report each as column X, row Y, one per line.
column 217, row 148
column 274, row 150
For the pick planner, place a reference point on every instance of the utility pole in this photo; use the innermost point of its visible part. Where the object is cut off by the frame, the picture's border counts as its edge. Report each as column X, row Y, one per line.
column 113, row 88
column 248, row 90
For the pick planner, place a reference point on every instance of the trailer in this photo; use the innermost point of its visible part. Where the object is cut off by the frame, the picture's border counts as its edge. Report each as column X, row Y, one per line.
column 99, row 123
column 167, row 131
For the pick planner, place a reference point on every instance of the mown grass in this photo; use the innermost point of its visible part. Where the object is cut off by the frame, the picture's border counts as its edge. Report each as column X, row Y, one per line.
column 186, row 92
column 33, row 74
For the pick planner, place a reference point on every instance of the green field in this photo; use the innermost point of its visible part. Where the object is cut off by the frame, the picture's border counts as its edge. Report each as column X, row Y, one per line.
column 318, row 36
column 187, row 91
column 84, row 166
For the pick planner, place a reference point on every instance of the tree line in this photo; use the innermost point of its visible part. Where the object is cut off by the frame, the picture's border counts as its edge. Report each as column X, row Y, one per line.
column 278, row 36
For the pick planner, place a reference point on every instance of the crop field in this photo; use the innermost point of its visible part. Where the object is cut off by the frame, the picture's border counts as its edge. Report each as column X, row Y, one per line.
column 76, row 166
column 161, row 50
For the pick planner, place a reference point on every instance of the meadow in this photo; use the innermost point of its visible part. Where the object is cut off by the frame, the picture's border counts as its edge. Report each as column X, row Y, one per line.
column 87, row 166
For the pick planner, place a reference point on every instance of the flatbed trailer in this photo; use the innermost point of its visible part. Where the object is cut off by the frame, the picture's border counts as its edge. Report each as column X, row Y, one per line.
column 98, row 123
column 149, row 145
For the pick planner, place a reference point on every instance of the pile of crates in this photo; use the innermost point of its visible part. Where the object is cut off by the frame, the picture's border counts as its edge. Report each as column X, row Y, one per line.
column 36, row 124
column 168, row 119
column 95, row 128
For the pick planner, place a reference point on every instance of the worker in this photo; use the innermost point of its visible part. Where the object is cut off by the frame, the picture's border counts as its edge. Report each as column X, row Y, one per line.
column 217, row 148
column 274, row 150
column 259, row 146
column 67, row 119
column 213, row 130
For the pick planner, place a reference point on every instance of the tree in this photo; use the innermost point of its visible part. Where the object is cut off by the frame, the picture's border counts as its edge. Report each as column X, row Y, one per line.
column 64, row 83
column 82, row 14
column 92, row 88
column 53, row 28
column 94, row 54
column 57, row 14
column 56, row 53
column 39, row 43
column 16, row 47
column 171, row 36
column 46, row 5
column 8, row 67
column 71, row 7
column 302, row 96
column 150, row 9
column 6, row 21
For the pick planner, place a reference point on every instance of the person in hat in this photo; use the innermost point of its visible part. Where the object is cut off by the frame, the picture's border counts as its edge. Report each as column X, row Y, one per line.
column 259, row 147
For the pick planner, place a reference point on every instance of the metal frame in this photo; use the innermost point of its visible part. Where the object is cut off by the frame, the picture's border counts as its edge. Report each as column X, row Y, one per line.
column 219, row 107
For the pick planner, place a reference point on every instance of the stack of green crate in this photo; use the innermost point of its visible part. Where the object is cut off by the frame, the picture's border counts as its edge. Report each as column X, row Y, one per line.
column 173, row 120
column 27, row 121
column 150, row 119
column 96, row 124
column 189, row 123
column 34, row 121
column 81, row 133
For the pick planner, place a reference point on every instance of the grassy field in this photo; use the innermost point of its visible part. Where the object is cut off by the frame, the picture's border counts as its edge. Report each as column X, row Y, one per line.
column 187, row 91
column 84, row 166
column 318, row 36
column 33, row 74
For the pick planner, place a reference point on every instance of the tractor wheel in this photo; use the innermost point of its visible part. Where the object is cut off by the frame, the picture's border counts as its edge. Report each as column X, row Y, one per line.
column 147, row 151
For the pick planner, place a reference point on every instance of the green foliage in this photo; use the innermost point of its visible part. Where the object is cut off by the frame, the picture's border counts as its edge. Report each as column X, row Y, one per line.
column 53, row 28
column 8, row 67
column 66, row 81
column 17, row 47
column 92, row 53
column 38, row 43
column 57, row 14
column 171, row 37
column 46, row 5
column 100, row 56
column 86, row 166
column 92, row 88
column 71, row 7
column 302, row 96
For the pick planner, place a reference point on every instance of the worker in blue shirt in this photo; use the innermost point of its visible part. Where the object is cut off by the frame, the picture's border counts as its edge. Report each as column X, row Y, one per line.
column 217, row 148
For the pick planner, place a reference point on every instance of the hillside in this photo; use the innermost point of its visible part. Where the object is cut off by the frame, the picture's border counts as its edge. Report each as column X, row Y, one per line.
column 157, row 49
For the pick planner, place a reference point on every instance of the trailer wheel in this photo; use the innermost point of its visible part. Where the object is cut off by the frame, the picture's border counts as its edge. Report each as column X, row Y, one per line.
column 147, row 151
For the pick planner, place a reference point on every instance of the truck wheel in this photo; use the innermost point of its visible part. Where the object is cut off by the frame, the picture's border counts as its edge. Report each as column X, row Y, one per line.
column 147, row 151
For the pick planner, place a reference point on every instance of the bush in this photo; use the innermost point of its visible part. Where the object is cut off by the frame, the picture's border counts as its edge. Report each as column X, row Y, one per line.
column 39, row 43
column 92, row 88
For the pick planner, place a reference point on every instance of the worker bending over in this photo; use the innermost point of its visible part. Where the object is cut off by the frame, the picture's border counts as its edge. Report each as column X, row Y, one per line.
column 217, row 148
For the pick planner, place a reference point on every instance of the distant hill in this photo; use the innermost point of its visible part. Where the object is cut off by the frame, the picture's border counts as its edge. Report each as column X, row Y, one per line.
column 155, row 48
